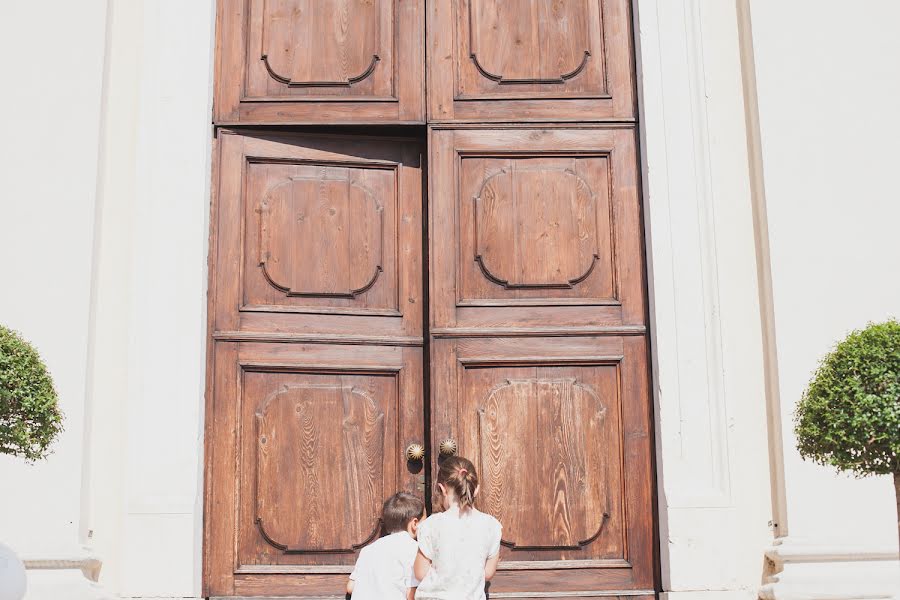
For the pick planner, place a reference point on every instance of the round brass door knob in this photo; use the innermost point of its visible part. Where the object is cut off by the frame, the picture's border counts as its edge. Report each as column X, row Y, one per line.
column 415, row 452
column 449, row 447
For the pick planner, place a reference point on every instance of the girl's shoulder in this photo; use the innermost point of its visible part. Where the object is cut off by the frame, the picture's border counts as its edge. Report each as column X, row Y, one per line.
column 485, row 516
column 486, row 520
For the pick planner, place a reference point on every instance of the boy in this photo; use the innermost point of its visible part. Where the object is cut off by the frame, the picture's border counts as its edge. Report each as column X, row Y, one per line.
column 384, row 569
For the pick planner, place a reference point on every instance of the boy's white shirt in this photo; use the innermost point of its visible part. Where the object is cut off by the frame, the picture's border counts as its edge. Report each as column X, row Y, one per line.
column 384, row 569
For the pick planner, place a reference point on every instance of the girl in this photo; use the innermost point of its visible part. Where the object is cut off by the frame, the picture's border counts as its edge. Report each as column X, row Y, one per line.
column 459, row 548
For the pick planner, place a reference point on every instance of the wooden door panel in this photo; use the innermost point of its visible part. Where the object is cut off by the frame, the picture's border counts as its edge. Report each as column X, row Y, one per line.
column 530, row 60
column 548, row 424
column 319, row 236
column 315, row 61
column 348, row 40
column 535, row 228
column 559, row 429
column 314, row 434
column 306, row 444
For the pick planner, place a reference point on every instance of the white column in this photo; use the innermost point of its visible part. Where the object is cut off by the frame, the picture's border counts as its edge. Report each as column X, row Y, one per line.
column 828, row 87
column 147, row 371
column 713, row 463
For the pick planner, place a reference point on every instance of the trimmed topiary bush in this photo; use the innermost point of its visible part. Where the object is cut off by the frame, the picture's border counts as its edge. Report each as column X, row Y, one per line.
column 29, row 412
column 849, row 416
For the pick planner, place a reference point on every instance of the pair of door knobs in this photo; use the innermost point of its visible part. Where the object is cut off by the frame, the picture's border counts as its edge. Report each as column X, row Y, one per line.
column 416, row 452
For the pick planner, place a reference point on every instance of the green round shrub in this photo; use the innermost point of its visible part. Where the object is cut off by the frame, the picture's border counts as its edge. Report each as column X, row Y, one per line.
column 30, row 418
column 849, row 416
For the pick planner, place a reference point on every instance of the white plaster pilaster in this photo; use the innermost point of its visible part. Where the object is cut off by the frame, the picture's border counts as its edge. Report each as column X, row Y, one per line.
column 143, row 490
column 708, row 374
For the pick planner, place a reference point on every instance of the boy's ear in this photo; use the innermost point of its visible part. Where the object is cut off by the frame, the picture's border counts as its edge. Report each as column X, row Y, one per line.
column 413, row 526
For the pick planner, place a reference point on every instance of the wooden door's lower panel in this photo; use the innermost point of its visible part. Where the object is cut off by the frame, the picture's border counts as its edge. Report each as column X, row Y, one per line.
column 559, row 430
column 305, row 442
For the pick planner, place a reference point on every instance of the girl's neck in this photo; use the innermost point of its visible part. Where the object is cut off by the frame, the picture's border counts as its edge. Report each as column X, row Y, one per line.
column 454, row 506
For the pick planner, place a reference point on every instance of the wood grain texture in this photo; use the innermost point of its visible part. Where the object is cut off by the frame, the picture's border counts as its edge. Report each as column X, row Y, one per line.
column 537, row 441
column 314, row 492
column 305, row 431
column 319, row 235
column 537, row 330
column 317, row 61
column 546, row 214
column 530, row 60
column 307, row 442
column 322, row 235
column 321, row 43
column 516, row 44
column 316, row 304
column 560, row 431
column 536, row 227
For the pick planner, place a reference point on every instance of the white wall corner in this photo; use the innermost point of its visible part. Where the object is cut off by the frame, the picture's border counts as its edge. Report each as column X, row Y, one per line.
column 712, row 448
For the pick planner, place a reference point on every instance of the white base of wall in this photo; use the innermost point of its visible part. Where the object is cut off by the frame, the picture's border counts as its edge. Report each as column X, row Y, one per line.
column 63, row 584
column 707, row 595
column 808, row 571
column 71, row 574
column 835, row 581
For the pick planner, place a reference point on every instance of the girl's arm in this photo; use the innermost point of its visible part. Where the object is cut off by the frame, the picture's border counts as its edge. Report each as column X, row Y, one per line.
column 410, row 593
column 350, row 587
column 421, row 566
column 490, row 567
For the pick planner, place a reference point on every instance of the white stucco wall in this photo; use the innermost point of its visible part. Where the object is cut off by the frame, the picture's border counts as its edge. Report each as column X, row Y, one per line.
column 830, row 132
column 143, row 503
column 105, row 162
column 49, row 117
column 828, row 89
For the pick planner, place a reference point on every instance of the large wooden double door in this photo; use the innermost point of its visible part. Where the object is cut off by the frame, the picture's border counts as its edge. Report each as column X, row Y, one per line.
column 474, row 275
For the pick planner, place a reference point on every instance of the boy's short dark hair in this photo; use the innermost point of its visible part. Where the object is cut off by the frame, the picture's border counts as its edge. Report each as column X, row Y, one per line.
column 399, row 510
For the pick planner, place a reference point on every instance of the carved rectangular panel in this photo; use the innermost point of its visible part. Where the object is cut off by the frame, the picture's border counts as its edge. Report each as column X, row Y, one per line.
column 535, row 229
column 530, row 60
column 559, row 430
column 318, row 236
column 316, row 436
column 305, row 445
column 320, row 61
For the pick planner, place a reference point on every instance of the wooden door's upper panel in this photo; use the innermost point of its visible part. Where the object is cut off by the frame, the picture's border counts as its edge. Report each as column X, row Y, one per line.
column 320, row 61
column 529, row 60
column 318, row 236
column 535, row 229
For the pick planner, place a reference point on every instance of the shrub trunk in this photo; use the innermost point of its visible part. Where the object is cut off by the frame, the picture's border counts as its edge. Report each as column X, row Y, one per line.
column 897, row 496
